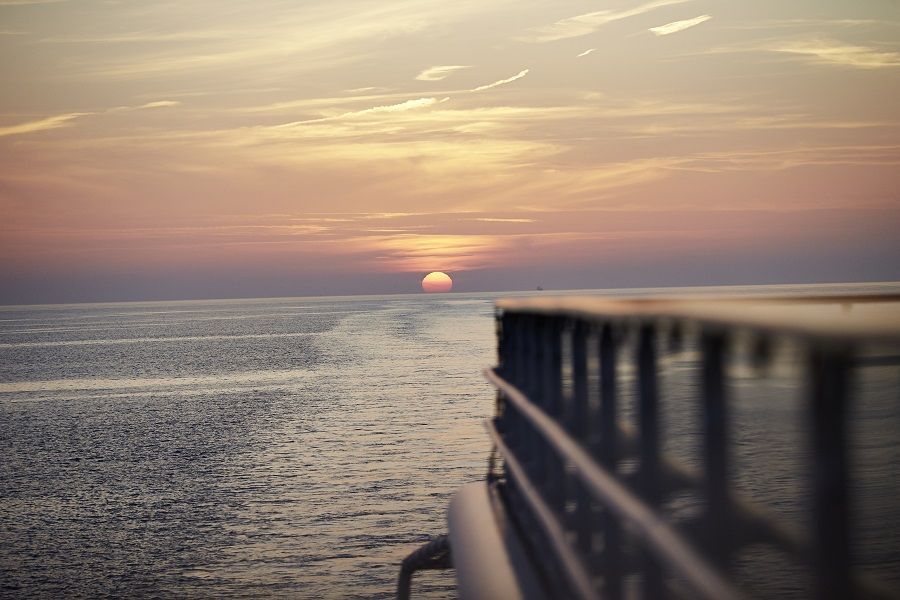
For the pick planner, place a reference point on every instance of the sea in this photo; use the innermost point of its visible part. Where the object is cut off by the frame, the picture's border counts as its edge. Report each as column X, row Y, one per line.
column 285, row 447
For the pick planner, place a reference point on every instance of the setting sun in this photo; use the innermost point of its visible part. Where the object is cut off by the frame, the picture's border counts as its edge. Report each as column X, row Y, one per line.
column 437, row 282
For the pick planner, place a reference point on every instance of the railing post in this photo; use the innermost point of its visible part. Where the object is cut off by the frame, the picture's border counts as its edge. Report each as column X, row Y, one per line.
column 829, row 384
column 648, row 415
column 579, row 418
column 535, row 387
column 609, row 458
column 715, row 447
column 533, row 372
column 512, row 356
column 609, row 412
column 552, row 392
column 580, row 412
column 504, row 331
column 506, row 345
column 552, row 367
column 520, row 350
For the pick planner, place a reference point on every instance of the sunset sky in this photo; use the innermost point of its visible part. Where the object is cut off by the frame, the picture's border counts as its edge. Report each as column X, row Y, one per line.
column 201, row 149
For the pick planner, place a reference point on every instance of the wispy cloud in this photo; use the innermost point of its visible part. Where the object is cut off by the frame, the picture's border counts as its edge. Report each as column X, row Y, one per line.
column 306, row 36
column 586, row 52
column 439, row 72
column 816, row 51
column 401, row 107
column 417, row 252
column 155, row 104
column 387, row 108
column 324, row 102
column 143, row 37
column 580, row 25
column 677, row 26
column 53, row 122
column 518, row 75
column 25, row 2
column 787, row 158
column 837, row 53
column 769, row 24
column 729, row 123
column 323, row 36
column 65, row 120
column 500, row 220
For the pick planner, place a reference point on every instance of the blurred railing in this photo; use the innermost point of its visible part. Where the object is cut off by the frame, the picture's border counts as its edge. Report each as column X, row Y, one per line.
column 587, row 491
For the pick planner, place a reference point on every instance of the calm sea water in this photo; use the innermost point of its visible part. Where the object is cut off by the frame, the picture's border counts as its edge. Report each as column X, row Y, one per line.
column 275, row 447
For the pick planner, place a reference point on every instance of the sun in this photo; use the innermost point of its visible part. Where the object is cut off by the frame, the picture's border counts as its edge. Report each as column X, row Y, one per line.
column 437, row 281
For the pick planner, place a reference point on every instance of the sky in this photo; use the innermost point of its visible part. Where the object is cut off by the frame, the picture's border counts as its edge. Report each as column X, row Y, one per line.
column 223, row 148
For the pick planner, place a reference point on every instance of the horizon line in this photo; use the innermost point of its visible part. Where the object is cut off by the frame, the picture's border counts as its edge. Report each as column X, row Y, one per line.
column 549, row 292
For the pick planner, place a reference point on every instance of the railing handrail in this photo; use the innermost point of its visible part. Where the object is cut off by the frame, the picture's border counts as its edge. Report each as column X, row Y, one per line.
column 777, row 315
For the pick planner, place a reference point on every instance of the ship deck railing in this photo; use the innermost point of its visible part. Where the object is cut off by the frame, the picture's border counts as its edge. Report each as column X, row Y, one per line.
column 586, row 488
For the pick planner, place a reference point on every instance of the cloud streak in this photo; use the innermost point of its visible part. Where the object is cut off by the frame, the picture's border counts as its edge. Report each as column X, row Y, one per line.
column 500, row 82
column 580, row 25
column 387, row 108
column 817, row 51
column 54, row 122
column 65, row 120
column 676, row 26
column 420, row 252
column 586, row 52
column 837, row 53
column 501, row 220
column 439, row 72
column 27, row 2
column 148, row 105
column 401, row 107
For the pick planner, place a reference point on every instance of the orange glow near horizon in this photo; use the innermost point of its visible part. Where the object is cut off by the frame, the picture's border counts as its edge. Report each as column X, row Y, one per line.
column 436, row 281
